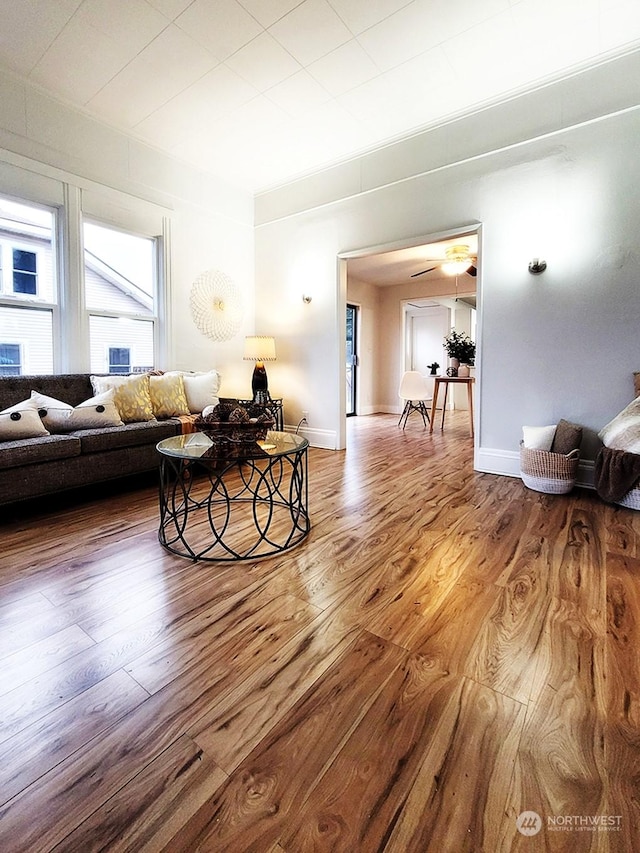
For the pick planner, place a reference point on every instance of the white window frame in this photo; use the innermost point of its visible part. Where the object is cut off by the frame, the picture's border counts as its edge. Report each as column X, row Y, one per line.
column 154, row 316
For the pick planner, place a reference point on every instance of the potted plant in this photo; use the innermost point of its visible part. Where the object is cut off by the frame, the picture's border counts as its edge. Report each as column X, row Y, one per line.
column 460, row 349
column 433, row 368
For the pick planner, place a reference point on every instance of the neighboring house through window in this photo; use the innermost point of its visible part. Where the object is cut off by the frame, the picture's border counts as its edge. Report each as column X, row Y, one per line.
column 120, row 296
column 25, row 273
column 10, row 360
column 119, row 360
column 28, row 288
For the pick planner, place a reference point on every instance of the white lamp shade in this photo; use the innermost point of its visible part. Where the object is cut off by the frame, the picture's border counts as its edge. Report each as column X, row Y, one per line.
column 259, row 348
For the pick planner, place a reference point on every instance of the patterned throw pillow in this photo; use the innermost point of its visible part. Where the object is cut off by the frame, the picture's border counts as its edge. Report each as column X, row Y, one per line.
column 168, row 397
column 132, row 395
column 99, row 411
column 623, row 432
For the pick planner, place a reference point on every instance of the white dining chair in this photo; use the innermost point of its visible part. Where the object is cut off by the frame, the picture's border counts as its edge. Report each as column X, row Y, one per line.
column 413, row 390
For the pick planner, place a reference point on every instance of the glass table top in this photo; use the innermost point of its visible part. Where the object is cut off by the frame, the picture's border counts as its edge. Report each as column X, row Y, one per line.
column 197, row 445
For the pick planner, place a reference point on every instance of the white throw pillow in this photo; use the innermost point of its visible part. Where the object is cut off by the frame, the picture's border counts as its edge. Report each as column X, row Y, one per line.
column 21, row 406
column 54, row 413
column 623, row 432
column 98, row 411
column 538, row 438
column 201, row 390
column 20, row 423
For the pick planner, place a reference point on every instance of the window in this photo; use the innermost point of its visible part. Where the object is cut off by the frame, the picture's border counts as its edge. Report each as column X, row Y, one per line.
column 24, row 272
column 120, row 295
column 119, row 360
column 10, row 360
column 117, row 327
column 28, row 288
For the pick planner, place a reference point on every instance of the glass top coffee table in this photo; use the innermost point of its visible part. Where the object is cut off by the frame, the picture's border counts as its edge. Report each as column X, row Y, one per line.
column 224, row 500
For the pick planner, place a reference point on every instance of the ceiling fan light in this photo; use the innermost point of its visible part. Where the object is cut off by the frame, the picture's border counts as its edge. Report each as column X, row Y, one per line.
column 456, row 267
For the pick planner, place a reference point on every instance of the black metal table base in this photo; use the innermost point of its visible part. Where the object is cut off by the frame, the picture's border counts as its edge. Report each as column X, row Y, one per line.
column 233, row 510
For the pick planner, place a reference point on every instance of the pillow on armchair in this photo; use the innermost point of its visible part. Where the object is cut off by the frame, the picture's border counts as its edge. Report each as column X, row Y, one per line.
column 623, row 432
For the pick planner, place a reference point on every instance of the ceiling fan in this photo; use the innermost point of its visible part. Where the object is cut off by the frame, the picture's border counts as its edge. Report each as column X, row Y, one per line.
column 458, row 260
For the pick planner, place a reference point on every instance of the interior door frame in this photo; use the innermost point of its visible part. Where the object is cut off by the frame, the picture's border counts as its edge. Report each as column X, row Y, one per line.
column 355, row 360
column 341, row 304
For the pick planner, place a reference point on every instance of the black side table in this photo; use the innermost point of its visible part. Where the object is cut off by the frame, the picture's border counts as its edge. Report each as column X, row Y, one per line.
column 275, row 406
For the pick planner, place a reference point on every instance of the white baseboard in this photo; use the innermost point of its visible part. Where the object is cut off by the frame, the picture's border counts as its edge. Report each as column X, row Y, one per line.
column 323, row 438
column 507, row 463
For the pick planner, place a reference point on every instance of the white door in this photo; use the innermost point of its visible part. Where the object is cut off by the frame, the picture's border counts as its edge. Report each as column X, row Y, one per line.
column 428, row 329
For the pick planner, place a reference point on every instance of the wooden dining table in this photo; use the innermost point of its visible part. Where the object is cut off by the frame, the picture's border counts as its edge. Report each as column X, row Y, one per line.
column 446, row 381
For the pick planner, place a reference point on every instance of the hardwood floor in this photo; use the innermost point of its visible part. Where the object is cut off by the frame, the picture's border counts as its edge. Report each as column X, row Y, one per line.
column 446, row 651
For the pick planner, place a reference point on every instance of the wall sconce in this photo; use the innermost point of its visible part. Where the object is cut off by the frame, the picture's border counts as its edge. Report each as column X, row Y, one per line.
column 306, row 298
column 536, row 266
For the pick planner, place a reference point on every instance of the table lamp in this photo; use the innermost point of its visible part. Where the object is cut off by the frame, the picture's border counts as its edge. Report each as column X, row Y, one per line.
column 260, row 348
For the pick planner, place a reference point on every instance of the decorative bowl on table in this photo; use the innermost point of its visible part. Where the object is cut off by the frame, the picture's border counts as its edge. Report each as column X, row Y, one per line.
column 229, row 422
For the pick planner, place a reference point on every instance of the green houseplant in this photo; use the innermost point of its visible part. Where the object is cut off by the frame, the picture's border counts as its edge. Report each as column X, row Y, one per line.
column 459, row 345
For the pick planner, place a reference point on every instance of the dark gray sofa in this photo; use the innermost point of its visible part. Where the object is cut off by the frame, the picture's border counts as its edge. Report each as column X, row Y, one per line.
column 35, row 467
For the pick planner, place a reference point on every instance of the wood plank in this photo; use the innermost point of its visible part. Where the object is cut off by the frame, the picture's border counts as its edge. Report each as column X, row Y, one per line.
column 249, row 811
column 622, row 735
column 445, row 650
column 39, row 747
column 41, row 657
column 247, row 709
column 567, row 707
column 223, row 639
column 464, row 777
column 364, row 790
column 150, row 812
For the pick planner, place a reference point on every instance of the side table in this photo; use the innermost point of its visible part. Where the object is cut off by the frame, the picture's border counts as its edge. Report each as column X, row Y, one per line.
column 275, row 406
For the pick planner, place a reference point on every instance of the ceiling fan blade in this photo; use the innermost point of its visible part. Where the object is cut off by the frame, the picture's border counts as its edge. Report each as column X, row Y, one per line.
column 413, row 275
column 472, row 271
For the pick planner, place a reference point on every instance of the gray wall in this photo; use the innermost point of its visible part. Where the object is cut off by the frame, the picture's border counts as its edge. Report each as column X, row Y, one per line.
column 554, row 175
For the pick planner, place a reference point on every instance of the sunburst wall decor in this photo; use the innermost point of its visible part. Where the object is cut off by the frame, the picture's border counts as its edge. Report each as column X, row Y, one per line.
column 216, row 305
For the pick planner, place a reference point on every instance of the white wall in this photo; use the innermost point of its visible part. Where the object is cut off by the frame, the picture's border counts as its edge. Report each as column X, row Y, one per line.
column 45, row 146
column 563, row 344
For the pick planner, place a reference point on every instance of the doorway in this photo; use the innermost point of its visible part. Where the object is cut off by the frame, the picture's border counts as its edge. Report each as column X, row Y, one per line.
column 380, row 279
column 351, row 359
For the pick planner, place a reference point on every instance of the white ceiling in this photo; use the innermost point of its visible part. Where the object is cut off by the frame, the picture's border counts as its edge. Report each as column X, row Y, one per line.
column 397, row 266
column 261, row 91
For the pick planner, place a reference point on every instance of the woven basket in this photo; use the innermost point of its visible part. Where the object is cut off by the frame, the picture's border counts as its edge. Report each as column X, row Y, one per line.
column 551, row 473
column 631, row 500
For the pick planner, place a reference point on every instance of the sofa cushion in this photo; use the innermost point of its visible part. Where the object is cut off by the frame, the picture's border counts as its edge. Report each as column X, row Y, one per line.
column 28, row 451
column 129, row 435
column 132, row 396
column 21, row 423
